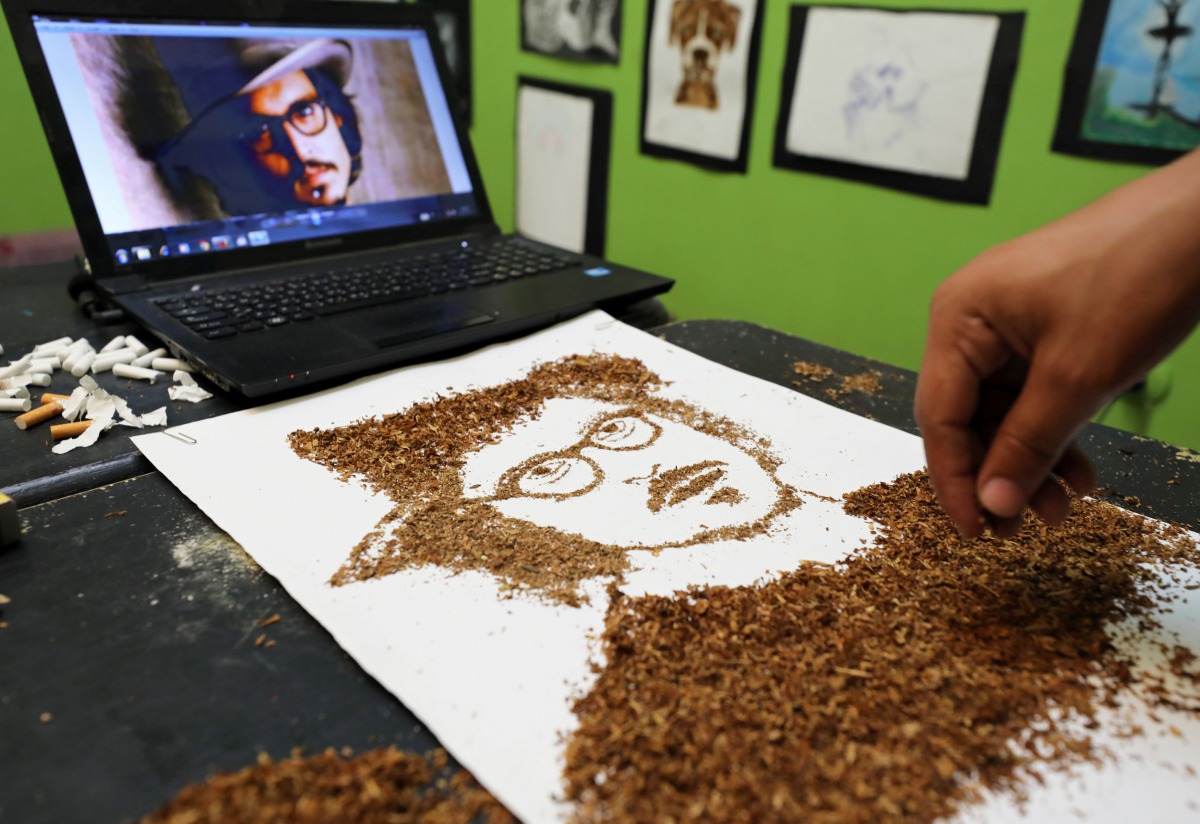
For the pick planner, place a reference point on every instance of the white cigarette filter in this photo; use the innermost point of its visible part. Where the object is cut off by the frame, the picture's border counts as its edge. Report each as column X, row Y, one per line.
column 147, row 359
column 113, row 345
column 82, row 364
column 126, row 370
column 1, row 349
column 44, row 365
column 15, row 404
column 136, row 345
column 17, row 367
column 80, row 348
column 39, row 379
column 51, row 345
column 171, row 365
column 107, row 360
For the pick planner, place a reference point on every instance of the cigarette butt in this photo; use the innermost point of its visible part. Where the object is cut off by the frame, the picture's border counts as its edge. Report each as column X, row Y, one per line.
column 42, row 413
column 52, row 397
column 15, row 404
column 171, row 365
column 124, row 370
column 10, row 524
column 68, row 430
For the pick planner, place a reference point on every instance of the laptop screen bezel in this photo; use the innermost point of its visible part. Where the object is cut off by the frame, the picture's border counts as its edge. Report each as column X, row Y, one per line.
column 21, row 14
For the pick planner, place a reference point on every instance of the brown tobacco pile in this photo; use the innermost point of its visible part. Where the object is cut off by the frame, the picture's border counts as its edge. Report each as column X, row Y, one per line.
column 384, row 786
column 415, row 457
column 891, row 687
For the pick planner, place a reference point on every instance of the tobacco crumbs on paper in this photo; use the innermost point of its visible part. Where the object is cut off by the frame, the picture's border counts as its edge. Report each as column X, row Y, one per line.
column 383, row 786
column 415, row 457
column 899, row 685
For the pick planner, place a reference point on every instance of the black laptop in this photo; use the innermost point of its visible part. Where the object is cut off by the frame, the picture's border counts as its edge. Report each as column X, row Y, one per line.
column 282, row 192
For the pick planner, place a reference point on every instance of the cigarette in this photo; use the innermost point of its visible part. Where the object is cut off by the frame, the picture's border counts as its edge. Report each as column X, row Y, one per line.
column 35, row 416
column 125, row 370
column 116, row 343
column 171, row 365
column 80, row 367
column 69, row 430
column 53, row 397
column 15, row 404
column 107, row 360
column 147, row 359
column 136, row 345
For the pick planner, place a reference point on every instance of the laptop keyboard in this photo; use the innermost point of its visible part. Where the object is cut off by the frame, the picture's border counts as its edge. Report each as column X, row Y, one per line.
column 224, row 311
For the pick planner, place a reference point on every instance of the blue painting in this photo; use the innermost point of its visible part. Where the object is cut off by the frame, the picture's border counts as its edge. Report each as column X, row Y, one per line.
column 1145, row 89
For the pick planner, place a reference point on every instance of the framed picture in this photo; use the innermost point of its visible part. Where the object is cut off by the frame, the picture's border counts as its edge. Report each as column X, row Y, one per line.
column 564, row 136
column 585, row 30
column 1132, row 85
column 909, row 100
column 453, row 19
column 700, row 71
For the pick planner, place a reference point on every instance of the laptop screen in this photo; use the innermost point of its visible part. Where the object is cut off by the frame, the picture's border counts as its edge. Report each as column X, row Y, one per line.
column 199, row 138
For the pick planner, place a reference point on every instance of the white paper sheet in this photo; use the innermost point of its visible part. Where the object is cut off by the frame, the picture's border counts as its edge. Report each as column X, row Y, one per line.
column 493, row 677
column 893, row 90
column 554, row 152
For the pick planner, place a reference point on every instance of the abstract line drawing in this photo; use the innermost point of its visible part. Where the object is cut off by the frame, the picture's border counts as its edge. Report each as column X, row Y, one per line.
column 551, row 480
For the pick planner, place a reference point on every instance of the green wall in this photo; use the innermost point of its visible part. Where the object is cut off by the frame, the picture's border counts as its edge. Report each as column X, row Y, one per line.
column 833, row 261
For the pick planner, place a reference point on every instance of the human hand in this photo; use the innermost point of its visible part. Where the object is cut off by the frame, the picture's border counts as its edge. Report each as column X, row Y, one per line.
column 1032, row 337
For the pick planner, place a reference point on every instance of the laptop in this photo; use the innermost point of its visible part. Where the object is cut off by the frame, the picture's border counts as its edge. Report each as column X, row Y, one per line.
column 282, row 191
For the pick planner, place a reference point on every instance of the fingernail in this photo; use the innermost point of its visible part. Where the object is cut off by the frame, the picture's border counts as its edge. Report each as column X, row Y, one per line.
column 1002, row 497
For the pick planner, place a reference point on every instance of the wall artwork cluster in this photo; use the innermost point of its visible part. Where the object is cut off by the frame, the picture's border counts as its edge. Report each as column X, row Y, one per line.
column 907, row 99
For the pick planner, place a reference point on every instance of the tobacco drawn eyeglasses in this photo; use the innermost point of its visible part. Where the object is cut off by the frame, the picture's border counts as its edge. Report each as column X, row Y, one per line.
column 568, row 473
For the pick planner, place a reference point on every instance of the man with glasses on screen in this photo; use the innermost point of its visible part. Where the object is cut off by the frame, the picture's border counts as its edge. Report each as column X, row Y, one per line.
column 282, row 135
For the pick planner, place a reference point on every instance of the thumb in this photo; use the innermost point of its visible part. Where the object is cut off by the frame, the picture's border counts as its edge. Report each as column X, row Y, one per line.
column 1031, row 440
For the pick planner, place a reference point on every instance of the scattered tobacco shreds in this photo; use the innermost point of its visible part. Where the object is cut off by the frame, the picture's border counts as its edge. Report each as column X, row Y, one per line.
column 813, row 371
column 415, row 457
column 383, row 786
column 865, row 382
column 899, row 685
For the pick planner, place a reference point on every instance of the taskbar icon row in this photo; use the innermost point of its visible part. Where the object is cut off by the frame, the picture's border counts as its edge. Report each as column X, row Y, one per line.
column 216, row 243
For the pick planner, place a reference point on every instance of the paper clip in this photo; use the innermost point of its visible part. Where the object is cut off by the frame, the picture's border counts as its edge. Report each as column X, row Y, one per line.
column 181, row 437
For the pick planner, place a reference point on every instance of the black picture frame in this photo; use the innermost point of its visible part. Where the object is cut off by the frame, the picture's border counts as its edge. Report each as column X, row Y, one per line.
column 584, row 31
column 599, row 157
column 976, row 187
column 695, row 155
column 453, row 20
column 1084, row 129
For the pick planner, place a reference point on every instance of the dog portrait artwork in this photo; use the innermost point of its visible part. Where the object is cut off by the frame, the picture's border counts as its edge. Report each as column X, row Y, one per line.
column 702, row 30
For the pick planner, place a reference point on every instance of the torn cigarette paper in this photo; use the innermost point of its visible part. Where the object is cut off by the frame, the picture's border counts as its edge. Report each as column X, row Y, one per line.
column 89, row 401
column 492, row 670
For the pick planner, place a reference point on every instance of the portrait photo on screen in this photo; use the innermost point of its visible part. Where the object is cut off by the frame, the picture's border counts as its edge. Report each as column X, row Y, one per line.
column 1132, row 86
column 903, row 99
column 701, row 66
column 585, row 30
column 203, row 128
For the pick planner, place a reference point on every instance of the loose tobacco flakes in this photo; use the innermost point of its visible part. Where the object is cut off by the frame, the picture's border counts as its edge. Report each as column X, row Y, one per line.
column 898, row 685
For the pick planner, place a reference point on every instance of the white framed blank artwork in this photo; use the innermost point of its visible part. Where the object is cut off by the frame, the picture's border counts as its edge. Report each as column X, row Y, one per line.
column 563, row 136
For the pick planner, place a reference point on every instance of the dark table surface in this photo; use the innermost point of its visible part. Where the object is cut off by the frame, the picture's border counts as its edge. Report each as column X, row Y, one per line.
column 128, row 657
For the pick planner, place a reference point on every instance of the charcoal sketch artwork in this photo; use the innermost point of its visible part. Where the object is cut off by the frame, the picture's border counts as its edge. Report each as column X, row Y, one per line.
column 701, row 30
column 883, row 102
column 576, row 29
column 552, row 480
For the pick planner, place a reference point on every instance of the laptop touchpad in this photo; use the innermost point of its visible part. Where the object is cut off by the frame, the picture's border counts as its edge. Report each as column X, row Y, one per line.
column 395, row 325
